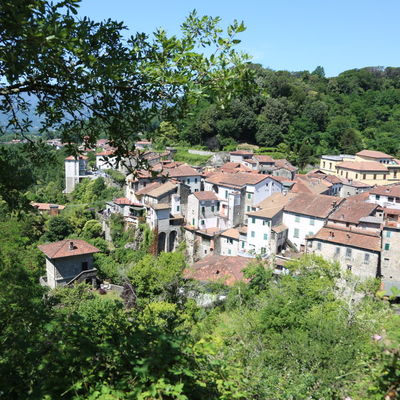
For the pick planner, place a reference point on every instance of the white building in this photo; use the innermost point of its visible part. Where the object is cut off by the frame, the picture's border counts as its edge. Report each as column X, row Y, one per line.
column 203, row 211
column 75, row 171
column 386, row 196
column 229, row 242
column 306, row 214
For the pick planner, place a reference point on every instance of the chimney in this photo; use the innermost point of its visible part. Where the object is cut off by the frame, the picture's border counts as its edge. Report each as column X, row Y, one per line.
column 71, row 245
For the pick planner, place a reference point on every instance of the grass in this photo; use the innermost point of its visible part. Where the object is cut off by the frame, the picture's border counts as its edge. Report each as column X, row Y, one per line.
column 183, row 155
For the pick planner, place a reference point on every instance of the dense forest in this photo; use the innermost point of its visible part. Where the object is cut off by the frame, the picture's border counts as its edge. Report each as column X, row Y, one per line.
column 303, row 114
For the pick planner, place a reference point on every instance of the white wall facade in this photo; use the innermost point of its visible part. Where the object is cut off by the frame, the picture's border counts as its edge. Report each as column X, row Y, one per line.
column 258, row 235
column 385, row 201
column 228, row 246
column 300, row 226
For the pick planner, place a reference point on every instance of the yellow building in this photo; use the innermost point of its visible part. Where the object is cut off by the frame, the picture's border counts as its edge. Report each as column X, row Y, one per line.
column 367, row 166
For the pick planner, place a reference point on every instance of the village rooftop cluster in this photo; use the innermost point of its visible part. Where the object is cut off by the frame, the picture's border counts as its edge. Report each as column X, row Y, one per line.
column 248, row 206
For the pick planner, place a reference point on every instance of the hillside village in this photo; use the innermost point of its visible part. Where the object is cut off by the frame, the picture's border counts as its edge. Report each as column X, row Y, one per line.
column 253, row 206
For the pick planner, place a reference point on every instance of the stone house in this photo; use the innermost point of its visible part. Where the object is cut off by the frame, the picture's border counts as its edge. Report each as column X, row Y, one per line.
column 390, row 256
column 75, row 171
column 68, row 260
column 203, row 210
column 228, row 242
column 355, row 251
column 48, row 208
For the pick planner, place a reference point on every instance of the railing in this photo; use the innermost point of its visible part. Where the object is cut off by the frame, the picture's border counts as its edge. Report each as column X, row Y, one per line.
column 89, row 273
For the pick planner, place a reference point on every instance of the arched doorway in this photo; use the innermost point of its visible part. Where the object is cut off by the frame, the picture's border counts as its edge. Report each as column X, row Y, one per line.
column 161, row 242
column 171, row 242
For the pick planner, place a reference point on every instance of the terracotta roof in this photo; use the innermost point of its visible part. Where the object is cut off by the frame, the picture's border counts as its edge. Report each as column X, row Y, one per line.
column 362, row 166
column 72, row 158
column 392, row 191
column 276, row 200
column 242, row 229
column 307, row 184
column 106, row 153
column 359, row 197
column 205, row 195
column 353, row 211
column 162, row 190
column 373, row 154
column 237, row 180
column 181, row 171
column 62, row 249
column 214, row 268
column 122, row 201
column 315, row 205
column 283, row 163
column 348, row 238
column 148, row 188
column 279, row 228
column 264, row 159
column 143, row 142
column 241, row 153
column 356, row 184
column 160, row 206
column 47, row 206
column 391, row 211
column 231, row 233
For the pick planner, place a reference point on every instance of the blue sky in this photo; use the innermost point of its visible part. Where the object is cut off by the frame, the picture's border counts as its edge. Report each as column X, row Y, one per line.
column 293, row 35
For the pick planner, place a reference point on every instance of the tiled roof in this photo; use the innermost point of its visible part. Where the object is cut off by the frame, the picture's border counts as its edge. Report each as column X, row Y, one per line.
column 373, row 154
column 109, row 152
column 47, row 206
column 283, row 163
column 123, row 201
column 214, row 268
column 65, row 249
column 181, row 171
column 348, row 238
column 162, row 190
column 72, row 158
column 276, row 200
column 241, row 153
column 148, row 188
column 315, row 205
column 264, row 159
column 279, row 228
column 160, row 206
column 392, row 191
column 205, row 195
column 238, row 180
column 231, row 233
column 362, row 166
column 242, row 229
column 353, row 211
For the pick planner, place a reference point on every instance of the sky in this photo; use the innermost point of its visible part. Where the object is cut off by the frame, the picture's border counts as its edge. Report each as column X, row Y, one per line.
column 291, row 35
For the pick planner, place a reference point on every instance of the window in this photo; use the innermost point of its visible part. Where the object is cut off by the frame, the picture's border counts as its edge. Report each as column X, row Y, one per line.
column 263, row 250
column 253, row 220
column 347, row 175
column 387, row 246
column 395, row 174
column 265, row 223
column 249, row 195
column 330, row 165
column 366, row 258
column 230, row 241
column 348, row 253
column 212, row 208
column 188, row 181
column 193, row 221
column 203, row 222
column 297, row 219
column 356, row 176
column 323, row 164
column 265, row 236
column 85, row 266
column 377, row 197
column 229, row 251
column 388, row 234
column 196, row 190
column 349, row 267
column 337, row 251
column 390, row 199
column 296, row 233
column 253, row 234
column 178, row 208
column 242, row 244
column 375, row 176
column 203, row 210
column 364, row 176
column 248, row 208
column 319, row 245
column 195, row 180
column 226, row 194
column 312, row 221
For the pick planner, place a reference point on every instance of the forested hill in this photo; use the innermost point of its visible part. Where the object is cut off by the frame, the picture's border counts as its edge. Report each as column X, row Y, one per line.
column 307, row 112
